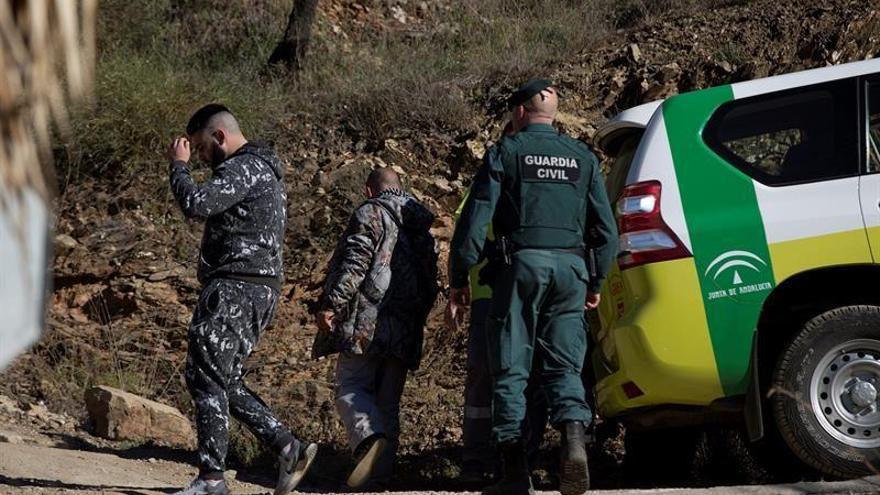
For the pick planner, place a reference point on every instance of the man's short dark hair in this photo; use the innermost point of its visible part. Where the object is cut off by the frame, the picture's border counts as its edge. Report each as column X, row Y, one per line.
column 200, row 119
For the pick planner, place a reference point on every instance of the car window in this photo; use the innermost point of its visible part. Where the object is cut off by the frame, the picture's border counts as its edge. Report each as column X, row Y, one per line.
column 874, row 127
column 790, row 137
column 619, row 168
column 766, row 151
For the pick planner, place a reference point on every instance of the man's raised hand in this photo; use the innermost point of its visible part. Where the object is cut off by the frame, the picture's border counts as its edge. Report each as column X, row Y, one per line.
column 179, row 150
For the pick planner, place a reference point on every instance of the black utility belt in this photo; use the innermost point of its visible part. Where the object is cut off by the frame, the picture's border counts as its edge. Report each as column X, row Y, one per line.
column 501, row 257
column 505, row 249
column 271, row 282
column 579, row 251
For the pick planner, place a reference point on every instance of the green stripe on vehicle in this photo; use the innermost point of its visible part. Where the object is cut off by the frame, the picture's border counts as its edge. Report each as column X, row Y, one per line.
column 726, row 231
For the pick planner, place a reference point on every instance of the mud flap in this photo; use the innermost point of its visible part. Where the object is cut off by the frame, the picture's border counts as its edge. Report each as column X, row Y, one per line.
column 753, row 413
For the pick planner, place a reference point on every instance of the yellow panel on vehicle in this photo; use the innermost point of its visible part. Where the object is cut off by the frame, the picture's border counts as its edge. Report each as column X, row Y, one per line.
column 660, row 340
column 843, row 248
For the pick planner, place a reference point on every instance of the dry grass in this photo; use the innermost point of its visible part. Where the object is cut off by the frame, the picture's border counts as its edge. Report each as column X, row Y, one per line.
column 161, row 59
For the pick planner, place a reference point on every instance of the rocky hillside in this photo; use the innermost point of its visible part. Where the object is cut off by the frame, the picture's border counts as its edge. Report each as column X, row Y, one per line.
column 125, row 260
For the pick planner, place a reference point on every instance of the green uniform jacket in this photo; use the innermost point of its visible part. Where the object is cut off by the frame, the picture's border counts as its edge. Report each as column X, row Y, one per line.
column 478, row 290
column 495, row 178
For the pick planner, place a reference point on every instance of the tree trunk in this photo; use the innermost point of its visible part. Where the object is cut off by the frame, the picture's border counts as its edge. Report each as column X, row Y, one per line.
column 291, row 50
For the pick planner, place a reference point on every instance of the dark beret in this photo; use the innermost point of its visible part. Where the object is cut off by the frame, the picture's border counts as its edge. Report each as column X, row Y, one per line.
column 527, row 91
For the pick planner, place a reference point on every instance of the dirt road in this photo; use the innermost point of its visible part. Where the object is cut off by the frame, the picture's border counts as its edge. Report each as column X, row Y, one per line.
column 40, row 469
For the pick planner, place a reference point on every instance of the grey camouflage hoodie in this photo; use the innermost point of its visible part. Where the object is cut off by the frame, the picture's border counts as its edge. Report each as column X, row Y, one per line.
column 244, row 206
column 371, row 284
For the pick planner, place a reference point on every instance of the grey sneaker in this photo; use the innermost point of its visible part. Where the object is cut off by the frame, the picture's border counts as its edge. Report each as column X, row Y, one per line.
column 367, row 454
column 293, row 466
column 202, row 487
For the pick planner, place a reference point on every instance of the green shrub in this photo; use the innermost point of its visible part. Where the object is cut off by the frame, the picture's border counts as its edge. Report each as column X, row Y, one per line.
column 731, row 52
column 245, row 450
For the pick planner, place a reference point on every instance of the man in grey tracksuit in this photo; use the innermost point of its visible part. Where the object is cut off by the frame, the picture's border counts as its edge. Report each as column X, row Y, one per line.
column 243, row 205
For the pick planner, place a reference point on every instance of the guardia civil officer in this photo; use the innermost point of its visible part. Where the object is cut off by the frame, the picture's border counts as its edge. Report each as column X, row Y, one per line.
column 544, row 194
column 478, row 451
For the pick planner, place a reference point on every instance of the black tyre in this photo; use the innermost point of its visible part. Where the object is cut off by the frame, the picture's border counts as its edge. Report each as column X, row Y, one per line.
column 825, row 398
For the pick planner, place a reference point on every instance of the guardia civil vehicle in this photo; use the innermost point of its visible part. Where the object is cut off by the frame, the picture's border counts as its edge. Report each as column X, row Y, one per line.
column 748, row 285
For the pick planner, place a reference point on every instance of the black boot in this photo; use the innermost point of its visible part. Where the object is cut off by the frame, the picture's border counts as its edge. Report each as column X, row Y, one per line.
column 515, row 479
column 574, row 475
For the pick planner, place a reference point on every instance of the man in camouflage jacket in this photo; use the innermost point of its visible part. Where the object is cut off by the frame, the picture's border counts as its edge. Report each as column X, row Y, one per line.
column 380, row 286
column 240, row 267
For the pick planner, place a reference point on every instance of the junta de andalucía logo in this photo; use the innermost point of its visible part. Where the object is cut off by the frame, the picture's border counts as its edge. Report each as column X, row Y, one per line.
column 736, row 273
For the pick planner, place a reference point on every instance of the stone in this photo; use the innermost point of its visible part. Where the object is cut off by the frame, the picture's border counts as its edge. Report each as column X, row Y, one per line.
column 157, row 293
column 635, row 53
column 65, row 243
column 12, row 438
column 476, row 149
column 658, row 91
column 40, row 412
column 442, row 184
column 443, row 228
column 399, row 14
column 9, row 406
column 119, row 415
column 669, row 73
column 160, row 275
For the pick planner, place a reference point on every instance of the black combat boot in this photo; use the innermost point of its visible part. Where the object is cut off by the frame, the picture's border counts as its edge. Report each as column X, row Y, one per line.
column 515, row 479
column 574, row 475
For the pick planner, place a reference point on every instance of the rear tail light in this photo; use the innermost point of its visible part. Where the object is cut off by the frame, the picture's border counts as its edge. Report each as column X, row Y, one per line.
column 644, row 236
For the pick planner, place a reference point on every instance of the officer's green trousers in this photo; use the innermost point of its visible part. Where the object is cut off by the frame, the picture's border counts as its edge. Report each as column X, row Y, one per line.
column 538, row 306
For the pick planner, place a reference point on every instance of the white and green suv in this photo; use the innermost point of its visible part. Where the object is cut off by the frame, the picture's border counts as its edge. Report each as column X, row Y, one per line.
column 748, row 283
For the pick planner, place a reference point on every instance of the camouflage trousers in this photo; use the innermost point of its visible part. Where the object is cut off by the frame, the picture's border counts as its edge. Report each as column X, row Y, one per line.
column 228, row 321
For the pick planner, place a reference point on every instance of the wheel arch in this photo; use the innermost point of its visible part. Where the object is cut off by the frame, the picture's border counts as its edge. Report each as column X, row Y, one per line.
column 789, row 306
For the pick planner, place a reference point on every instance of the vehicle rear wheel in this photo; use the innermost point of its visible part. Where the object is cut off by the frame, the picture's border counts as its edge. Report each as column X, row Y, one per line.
column 825, row 398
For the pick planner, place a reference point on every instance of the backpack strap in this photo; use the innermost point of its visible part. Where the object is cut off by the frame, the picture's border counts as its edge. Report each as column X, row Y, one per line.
column 390, row 212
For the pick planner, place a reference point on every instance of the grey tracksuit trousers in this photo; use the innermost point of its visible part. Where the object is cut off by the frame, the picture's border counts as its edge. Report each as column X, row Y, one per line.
column 228, row 320
column 368, row 390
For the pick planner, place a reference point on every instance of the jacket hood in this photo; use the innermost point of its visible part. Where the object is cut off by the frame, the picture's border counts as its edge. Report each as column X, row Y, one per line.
column 265, row 153
column 407, row 210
